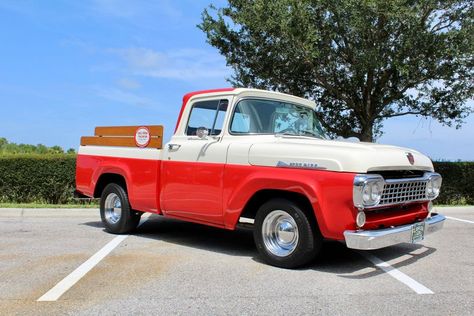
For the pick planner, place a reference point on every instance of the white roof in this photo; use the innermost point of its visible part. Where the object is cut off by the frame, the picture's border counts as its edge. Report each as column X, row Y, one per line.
column 246, row 92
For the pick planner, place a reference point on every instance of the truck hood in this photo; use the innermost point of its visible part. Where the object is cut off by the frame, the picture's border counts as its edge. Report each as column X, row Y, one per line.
column 360, row 157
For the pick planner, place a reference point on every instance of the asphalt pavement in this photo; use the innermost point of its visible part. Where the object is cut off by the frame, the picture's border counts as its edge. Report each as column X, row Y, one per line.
column 63, row 262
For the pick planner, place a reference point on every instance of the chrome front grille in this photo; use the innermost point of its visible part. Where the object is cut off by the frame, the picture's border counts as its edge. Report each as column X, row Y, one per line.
column 403, row 191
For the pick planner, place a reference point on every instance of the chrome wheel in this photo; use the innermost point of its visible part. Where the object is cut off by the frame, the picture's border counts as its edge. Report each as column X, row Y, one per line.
column 113, row 208
column 280, row 233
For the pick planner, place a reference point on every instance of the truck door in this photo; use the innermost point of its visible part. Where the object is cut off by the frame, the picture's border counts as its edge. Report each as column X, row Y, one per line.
column 193, row 164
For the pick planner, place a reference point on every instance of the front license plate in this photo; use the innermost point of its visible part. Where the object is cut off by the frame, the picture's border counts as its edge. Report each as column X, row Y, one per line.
column 418, row 232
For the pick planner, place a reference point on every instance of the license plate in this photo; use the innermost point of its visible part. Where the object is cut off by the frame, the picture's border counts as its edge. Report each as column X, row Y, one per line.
column 417, row 232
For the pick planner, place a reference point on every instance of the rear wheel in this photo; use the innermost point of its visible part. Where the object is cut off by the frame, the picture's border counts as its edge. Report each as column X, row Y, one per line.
column 285, row 237
column 115, row 211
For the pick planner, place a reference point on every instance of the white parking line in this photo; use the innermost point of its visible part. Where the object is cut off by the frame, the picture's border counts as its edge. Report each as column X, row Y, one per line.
column 65, row 284
column 459, row 220
column 397, row 274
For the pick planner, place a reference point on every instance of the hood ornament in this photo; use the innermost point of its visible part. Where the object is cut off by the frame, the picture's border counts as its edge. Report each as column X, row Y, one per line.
column 411, row 159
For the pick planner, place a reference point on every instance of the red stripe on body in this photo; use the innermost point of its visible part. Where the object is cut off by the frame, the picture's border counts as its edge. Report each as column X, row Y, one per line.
column 215, row 194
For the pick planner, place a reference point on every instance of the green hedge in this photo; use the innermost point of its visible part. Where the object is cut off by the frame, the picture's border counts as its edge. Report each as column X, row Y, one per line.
column 50, row 179
column 37, row 178
column 458, row 182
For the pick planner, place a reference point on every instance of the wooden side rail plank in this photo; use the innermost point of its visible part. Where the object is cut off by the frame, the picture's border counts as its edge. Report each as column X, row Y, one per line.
column 155, row 142
column 155, row 130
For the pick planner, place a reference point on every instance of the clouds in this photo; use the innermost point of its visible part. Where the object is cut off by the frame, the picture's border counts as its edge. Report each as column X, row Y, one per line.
column 136, row 64
column 120, row 96
column 127, row 9
column 128, row 84
column 179, row 64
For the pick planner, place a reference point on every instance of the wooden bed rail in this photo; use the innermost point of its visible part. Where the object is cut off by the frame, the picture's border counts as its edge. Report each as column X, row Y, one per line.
column 146, row 136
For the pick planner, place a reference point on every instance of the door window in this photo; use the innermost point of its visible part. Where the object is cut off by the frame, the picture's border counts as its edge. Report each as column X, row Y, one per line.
column 209, row 115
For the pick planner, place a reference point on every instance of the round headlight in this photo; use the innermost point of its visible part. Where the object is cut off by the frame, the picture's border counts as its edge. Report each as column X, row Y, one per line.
column 376, row 192
column 366, row 194
column 433, row 186
column 437, row 185
column 429, row 187
column 367, row 190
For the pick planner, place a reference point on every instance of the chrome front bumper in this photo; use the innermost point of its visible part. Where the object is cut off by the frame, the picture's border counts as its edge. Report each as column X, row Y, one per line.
column 375, row 239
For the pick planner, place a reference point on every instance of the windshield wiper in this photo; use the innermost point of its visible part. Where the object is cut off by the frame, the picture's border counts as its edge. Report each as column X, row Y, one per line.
column 311, row 133
column 304, row 134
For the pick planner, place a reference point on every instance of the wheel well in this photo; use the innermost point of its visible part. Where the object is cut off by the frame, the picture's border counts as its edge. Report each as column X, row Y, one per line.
column 260, row 197
column 107, row 178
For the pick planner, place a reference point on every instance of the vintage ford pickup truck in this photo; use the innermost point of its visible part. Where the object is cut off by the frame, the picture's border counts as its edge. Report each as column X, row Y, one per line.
column 261, row 159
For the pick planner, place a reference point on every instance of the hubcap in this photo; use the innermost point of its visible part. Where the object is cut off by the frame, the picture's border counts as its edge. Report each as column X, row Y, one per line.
column 280, row 233
column 113, row 208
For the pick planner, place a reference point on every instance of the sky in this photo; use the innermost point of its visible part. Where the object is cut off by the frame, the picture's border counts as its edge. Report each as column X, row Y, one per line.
column 68, row 66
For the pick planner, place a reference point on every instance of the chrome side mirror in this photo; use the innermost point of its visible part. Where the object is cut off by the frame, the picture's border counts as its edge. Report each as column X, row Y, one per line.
column 202, row 132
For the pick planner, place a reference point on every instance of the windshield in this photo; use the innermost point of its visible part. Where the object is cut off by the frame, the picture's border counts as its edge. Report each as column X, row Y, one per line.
column 255, row 116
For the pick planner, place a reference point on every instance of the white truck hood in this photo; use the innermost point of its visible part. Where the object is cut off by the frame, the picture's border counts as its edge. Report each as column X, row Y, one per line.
column 287, row 151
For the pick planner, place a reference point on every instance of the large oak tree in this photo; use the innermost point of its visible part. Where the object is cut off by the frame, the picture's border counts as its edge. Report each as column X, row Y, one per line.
column 362, row 61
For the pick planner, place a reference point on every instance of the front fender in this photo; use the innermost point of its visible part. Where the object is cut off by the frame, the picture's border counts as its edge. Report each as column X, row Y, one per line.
column 330, row 193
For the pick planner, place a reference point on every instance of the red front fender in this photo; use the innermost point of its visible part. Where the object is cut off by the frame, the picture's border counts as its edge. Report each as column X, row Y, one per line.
column 330, row 193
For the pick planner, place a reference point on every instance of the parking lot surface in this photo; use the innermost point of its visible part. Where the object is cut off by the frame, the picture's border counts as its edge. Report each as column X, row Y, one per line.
column 63, row 262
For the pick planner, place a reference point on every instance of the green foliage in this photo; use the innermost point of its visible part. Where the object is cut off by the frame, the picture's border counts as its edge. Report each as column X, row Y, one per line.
column 457, row 187
column 37, row 178
column 363, row 61
column 7, row 148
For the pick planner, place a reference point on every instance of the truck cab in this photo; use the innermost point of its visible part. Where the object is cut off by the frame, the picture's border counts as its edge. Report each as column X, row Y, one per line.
column 261, row 158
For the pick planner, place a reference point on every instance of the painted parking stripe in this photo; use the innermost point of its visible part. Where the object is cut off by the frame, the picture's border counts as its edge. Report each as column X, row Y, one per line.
column 459, row 219
column 65, row 284
column 397, row 274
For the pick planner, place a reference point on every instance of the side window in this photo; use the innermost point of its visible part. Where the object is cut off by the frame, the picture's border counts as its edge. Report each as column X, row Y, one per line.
column 240, row 123
column 207, row 114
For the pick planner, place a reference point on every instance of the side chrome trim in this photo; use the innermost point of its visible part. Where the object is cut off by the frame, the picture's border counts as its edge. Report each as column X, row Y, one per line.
column 375, row 239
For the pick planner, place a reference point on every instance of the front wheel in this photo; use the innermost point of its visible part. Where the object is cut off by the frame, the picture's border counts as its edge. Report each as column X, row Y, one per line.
column 115, row 211
column 284, row 235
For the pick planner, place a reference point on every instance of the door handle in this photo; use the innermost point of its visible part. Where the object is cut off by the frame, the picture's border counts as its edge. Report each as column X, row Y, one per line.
column 173, row 146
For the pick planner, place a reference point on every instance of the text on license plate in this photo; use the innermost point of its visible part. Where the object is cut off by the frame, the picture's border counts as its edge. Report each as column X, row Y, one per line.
column 417, row 232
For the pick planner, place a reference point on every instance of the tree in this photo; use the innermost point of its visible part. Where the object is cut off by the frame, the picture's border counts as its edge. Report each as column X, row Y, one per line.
column 41, row 149
column 3, row 142
column 362, row 61
column 55, row 150
column 7, row 147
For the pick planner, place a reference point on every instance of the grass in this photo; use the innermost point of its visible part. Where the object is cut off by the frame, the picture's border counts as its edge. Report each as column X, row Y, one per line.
column 42, row 205
column 95, row 204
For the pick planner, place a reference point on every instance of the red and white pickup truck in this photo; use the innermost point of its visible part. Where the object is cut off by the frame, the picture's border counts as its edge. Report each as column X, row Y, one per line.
column 261, row 158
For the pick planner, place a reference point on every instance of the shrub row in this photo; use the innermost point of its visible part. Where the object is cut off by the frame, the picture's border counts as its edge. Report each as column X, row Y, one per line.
column 50, row 179
column 37, row 178
column 458, row 186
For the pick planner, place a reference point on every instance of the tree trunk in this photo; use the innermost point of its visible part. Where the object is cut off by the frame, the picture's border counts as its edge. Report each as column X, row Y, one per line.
column 367, row 134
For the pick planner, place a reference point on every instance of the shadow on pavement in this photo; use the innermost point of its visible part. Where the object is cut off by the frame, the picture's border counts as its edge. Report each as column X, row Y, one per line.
column 237, row 243
column 334, row 258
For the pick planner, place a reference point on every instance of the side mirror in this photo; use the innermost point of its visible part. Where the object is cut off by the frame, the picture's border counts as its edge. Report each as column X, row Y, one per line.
column 202, row 132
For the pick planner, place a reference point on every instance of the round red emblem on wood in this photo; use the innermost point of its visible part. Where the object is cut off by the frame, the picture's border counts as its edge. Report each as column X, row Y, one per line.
column 142, row 137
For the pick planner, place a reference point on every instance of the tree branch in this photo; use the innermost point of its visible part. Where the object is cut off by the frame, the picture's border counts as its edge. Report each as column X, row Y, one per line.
column 400, row 114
